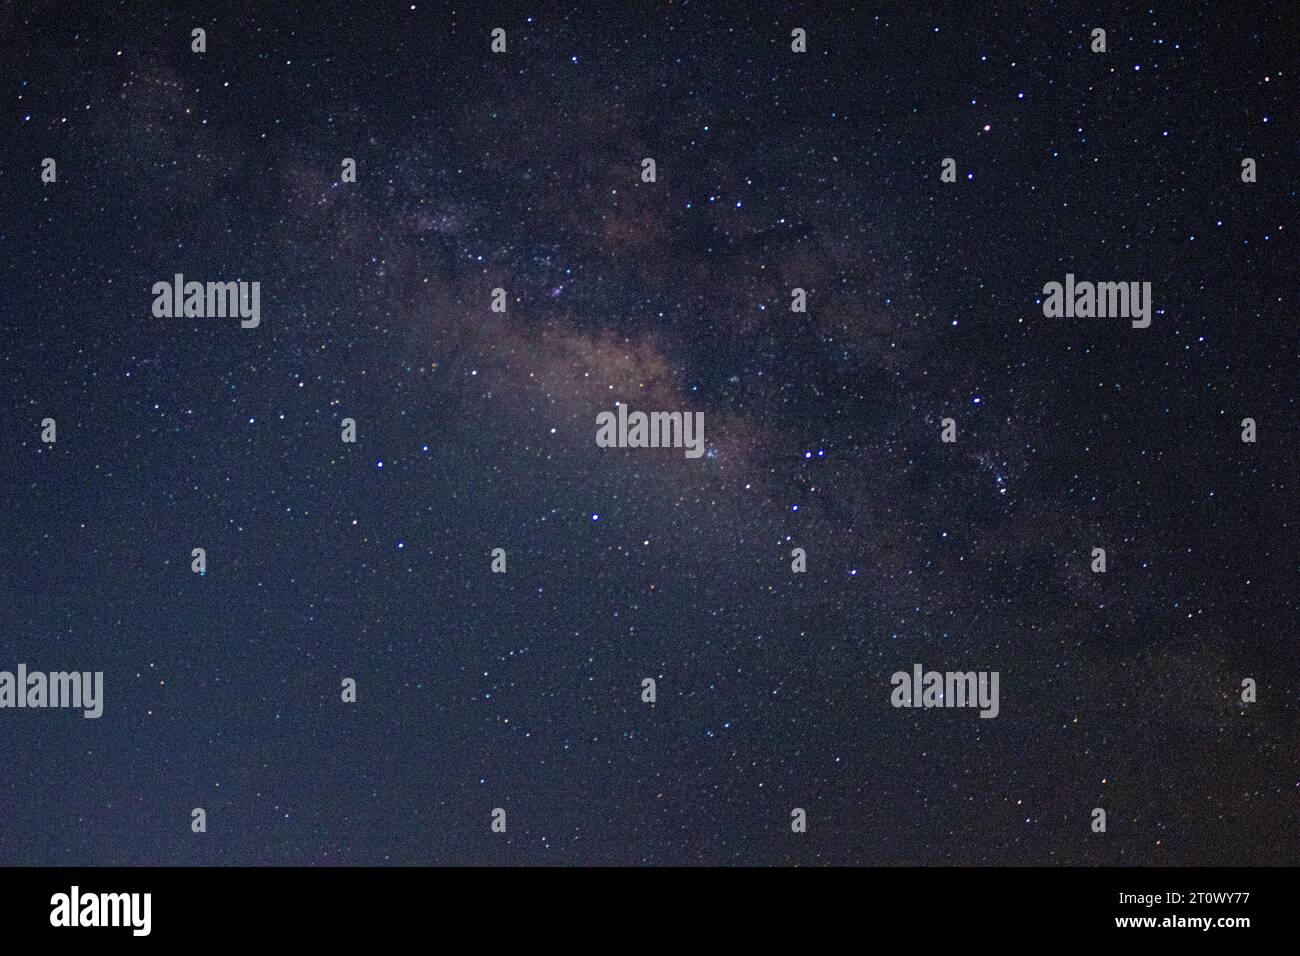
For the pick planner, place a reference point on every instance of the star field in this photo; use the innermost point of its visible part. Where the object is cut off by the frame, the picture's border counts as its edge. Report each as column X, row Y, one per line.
column 775, row 170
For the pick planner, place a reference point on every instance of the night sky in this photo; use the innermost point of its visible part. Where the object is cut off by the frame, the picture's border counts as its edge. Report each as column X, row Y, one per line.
column 475, row 430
